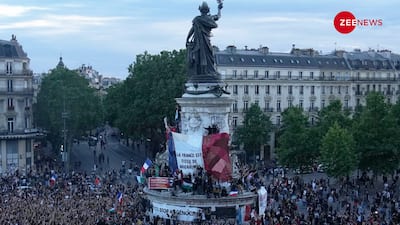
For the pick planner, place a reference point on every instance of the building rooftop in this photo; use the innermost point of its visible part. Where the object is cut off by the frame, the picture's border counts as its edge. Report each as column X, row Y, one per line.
column 307, row 58
column 263, row 58
column 11, row 49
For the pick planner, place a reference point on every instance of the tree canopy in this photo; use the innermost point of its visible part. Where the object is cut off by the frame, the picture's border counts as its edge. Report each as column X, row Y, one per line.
column 61, row 91
column 294, row 150
column 338, row 152
column 254, row 132
column 140, row 103
column 376, row 133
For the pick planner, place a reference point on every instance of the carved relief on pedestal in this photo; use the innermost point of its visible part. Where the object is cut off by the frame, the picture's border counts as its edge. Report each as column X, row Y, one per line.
column 192, row 122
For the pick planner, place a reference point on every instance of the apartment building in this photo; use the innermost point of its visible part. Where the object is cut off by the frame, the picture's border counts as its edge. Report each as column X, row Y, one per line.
column 17, row 133
column 304, row 78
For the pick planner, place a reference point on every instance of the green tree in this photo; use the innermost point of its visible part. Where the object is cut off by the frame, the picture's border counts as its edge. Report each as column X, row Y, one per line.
column 61, row 91
column 294, row 149
column 139, row 105
column 332, row 114
column 338, row 152
column 254, row 132
column 376, row 135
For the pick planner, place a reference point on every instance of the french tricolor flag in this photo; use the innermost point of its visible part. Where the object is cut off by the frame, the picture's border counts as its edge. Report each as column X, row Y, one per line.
column 119, row 197
column 53, row 179
column 146, row 165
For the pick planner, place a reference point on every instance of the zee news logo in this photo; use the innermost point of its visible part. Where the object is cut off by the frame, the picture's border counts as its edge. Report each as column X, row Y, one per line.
column 345, row 22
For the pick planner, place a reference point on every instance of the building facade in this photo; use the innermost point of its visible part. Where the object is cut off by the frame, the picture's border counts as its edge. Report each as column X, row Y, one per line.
column 304, row 78
column 17, row 133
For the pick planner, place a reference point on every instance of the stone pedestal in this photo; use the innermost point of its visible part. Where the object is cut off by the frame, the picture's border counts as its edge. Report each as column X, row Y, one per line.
column 201, row 109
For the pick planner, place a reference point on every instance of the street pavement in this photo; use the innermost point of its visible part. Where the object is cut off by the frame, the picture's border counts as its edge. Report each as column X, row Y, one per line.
column 85, row 157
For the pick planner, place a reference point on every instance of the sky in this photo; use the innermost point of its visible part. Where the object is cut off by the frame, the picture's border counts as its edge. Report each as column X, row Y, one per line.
column 108, row 35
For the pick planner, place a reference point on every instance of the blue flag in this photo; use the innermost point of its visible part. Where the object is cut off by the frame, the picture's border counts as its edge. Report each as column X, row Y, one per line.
column 173, row 165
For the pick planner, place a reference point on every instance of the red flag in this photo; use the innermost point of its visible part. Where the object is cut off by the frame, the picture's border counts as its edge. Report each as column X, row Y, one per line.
column 216, row 156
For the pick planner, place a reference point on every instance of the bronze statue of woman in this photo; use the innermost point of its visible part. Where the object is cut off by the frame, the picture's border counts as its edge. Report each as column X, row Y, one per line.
column 201, row 62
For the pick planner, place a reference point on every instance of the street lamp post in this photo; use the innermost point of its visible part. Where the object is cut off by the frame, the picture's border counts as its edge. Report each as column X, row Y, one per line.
column 66, row 156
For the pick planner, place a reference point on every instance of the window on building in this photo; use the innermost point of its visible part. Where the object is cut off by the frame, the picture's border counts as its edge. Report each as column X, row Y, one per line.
column 389, row 87
column 278, row 89
column 289, row 75
column 347, row 90
column 311, row 75
column 255, row 73
column 245, row 105
column 322, row 103
column 373, row 87
column 300, row 75
column 10, row 103
column 234, row 121
column 389, row 100
column 235, row 107
column 312, row 121
column 266, row 74
column 339, row 90
column 278, row 120
column 278, row 105
column 290, row 103
column 246, row 89
column 367, row 88
column 301, row 90
column 245, row 73
column 346, row 103
column 235, row 89
column 312, row 90
column 331, row 76
column 358, row 75
column 10, row 85
column 358, row 101
column 266, row 107
column 27, row 122
column 312, row 105
column 278, row 74
column 331, row 90
column 28, row 145
column 256, row 102
column 290, row 89
column 256, row 89
column 12, row 154
column 9, row 67
column 234, row 73
column 10, row 124
column 267, row 89
column 323, row 90
column 301, row 104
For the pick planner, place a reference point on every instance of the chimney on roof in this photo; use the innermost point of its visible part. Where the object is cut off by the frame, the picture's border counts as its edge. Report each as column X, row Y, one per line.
column 231, row 49
column 245, row 47
column 263, row 50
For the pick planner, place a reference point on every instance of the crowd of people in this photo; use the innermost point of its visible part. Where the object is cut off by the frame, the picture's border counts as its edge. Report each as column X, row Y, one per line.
column 51, row 198
column 293, row 200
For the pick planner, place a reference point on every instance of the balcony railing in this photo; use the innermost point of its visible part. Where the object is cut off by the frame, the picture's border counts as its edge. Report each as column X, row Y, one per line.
column 14, row 91
column 268, row 109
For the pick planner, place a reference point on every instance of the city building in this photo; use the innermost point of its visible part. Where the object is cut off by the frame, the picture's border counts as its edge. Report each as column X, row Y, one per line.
column 304, row 78
column 17, row 133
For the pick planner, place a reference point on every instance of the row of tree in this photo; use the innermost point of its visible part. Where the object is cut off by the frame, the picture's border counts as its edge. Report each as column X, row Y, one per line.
column 66, row 103
column 138, row 105
column 367, row 140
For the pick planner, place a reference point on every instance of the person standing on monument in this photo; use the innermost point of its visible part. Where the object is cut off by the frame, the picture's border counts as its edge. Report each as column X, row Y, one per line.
column 200, row 51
